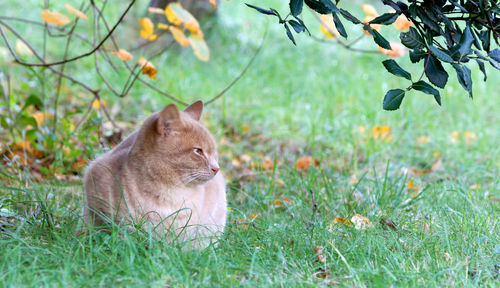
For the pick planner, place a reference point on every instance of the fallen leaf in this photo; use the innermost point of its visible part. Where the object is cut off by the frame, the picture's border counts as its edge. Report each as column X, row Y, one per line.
column 281, row 202
column 147, row 31
column 199, row 46
column 475, row 186
column 470, row 137
column 342, row 220
column 75, row 12
column 123, row 54
column 78, row 164
column 147, row 68
column 447, row 256
column 455, row 137
column 382, row 133
column 437, row 165
column 305, row 162
column 397, row 50
column 245, row 128
column 318, row 250
column 353, row 179
column 423, row 140
column 388, row 224
column 369, row 10
column 361, row 222
column 328, row 26
column 55, row 18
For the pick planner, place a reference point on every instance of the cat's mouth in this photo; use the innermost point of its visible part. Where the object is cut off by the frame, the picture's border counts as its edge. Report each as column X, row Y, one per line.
column 199, row 178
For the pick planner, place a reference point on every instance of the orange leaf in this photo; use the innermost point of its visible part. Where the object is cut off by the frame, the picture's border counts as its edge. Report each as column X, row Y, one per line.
column 177, row 33
column 177, row 15
column 213, row 2
column 78, row 164
column 470, row 137
column 369, row 10
column 328, row 26
column 96, row 104
column 147, row 68
column 123, row 54
column 147, row 31
column 55, row 18
column 382, row 133
column 398, row 50
column 75, row 12
column 342, row 220
column 199, row 46
column 437, row 165
column 402, row 23
column 423, row 139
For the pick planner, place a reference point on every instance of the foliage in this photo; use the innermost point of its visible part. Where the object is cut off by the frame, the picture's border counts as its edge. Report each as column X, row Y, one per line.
column 454, row 33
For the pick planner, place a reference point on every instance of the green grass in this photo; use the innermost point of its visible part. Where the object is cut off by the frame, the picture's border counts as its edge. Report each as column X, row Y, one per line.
column 297, row 101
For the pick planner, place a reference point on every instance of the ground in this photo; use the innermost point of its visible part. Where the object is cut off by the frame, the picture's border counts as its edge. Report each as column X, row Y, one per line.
column 424, row 176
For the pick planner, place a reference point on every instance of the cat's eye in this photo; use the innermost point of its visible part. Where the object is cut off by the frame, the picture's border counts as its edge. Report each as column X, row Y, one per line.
column 198, row 151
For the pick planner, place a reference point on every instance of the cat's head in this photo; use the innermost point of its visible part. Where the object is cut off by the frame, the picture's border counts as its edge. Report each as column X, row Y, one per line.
column 178, row 144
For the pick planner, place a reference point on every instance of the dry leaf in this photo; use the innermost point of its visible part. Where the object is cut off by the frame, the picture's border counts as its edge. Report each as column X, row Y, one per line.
column 96, row 104
column 455, row 137
column 361, row 222
column 447, row 256
column 328, row 26
column 470, row 137
column 55, row 18
column 245, row 128
column 353, row 179
column 199, row 46
column 78, row 164
column 382, row 133
column 281, row 202
column 423, row 139
column 397, row 50
column 342, row 220
column 147, row 31
column 318, row 250
column 437, row 165
column 123, row 54
column 305, row 162
column 147, row 68
column 475, row 186
column 213, row 2
column 388, row 224
column 75, row 12
column 369, row 10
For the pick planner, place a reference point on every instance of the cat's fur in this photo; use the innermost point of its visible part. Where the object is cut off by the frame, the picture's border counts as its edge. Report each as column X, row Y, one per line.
column 159, row 175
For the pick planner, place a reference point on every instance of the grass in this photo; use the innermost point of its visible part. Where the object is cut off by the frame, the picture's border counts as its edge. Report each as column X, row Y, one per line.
column 295, row 101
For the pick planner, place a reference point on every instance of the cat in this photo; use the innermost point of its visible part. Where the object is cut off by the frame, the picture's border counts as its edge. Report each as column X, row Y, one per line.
column 165, row 174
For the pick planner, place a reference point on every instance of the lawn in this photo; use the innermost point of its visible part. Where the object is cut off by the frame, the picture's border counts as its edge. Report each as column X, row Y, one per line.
column 425, row 176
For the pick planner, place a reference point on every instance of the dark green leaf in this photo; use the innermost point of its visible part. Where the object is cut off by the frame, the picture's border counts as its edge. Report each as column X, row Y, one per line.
column 262, row 10
column 393, row 99
column 428, row 89
column 465, row 42
column 485, row 39
column 289, row 34
column 339, row 25
column 440, row 54
column 416, row 55
column 435, row 71
column 302, row 23
column 385, row 19
column 32, row 100
column 329, row 4
column 349, row 17
column 296, row 26
column 296, row 7
column 394, row 68
column 378, row 38
column 464, row 77
column 495, row 54
column 24, row 120
column 318, row 6
column 428, row 19
column 395, row 6
column 412, row 39
column 494, row 64
column 480, row 63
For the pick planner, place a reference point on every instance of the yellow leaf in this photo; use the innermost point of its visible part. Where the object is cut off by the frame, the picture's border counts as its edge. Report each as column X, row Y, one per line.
column 213, row 2
column 373, row 26
column 455, row 137
column 147, row 68
column 155, row 10
column 177, row 15
column 369, row 10
column 281, row 202
column 123, row 54
column 75, row 12
column 22, row 48
column 328, row 26
column 147, row 31
column 245, row 128
column 96, row 104
column 342, row 220
column 361, row 222
column 177, row 33
column 199, row 46
column 423, row 139
column 55, row 18
column 470, row 137
column 475, row 186
column 382, row 133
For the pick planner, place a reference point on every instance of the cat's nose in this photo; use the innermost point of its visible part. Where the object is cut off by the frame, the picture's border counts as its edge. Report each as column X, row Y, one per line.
column 215, row 170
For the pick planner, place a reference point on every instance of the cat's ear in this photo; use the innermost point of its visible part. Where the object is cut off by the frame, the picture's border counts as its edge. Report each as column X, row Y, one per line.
column 194, row 110
column 167, row 118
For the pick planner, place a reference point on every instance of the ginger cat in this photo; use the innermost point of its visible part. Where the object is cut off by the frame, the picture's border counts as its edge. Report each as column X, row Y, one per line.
column 165, row 173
